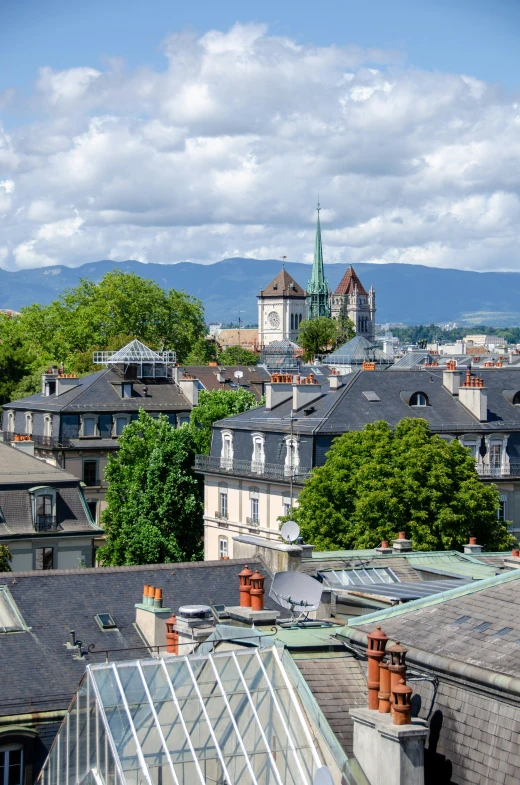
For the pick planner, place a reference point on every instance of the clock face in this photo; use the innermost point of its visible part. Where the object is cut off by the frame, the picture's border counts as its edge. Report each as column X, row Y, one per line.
column 273, row 319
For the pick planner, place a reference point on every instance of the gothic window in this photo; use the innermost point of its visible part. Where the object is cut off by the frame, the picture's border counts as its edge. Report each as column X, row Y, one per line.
column 419, row 399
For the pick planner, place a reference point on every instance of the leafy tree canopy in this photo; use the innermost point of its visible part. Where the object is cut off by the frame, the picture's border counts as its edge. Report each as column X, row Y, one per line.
column 94, row 316
column 237, row 355
column 154, row 500
column 317, row 336
column 203, row 351
column 215, row 405
column 345, row 327
column 378, row 482
column 5, row 559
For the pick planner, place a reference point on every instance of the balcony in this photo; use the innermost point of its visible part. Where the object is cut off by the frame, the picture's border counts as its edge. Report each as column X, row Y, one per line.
column 45, row 442
column 498, row 469
column 46, row 523
column 267, row 471
column 253, row 522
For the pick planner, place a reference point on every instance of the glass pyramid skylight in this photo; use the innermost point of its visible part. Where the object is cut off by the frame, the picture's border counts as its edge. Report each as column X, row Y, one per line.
column 136, row 353
column 229, row 718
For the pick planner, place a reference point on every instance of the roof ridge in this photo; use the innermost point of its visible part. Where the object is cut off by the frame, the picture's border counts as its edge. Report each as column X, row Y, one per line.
column 436, row 599
column 4, row 578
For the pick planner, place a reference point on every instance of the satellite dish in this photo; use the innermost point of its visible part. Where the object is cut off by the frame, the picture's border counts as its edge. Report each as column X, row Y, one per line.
column 296, row 591
column 290, row 531
column 323, row 777
column 238, row 374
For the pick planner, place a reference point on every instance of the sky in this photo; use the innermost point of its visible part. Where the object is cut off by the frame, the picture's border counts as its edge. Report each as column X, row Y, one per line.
column 165, row 131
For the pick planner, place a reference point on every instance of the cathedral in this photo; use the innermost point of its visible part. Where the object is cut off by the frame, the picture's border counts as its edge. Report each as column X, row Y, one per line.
column 283, row 304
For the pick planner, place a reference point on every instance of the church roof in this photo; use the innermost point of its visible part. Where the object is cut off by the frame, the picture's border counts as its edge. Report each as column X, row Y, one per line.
column 349, row 281
column 358, row 350
column 283, row 285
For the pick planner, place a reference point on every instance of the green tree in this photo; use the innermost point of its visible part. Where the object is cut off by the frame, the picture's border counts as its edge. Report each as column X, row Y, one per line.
column 203, row 351
column 216, row 405
column 317, row 336
column 5, row 559
column 346, row 329
column 154, row 500
column 237, row 355
column 378, row 482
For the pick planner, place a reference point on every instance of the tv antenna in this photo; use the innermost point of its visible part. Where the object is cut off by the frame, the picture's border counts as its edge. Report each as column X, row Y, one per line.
column 297, row 592
column 290, row 531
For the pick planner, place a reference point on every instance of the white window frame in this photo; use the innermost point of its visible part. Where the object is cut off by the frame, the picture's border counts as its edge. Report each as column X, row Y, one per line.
column 420, row 396
column 223, row 507
column 502, row 508
column 125, row 417
column 223, row 552
column 84, row 418
column 226, row 454
column 258, row 456
column 291, row 465
column 36, row 494
column 11, row 421
column 6, row 749
column 29, row 423
column 47, row 425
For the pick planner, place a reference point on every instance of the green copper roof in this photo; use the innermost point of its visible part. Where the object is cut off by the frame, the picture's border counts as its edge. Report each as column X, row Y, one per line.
column 318, row 287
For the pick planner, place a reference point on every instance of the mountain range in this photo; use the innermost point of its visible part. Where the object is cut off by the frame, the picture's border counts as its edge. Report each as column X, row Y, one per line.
column 408, row 293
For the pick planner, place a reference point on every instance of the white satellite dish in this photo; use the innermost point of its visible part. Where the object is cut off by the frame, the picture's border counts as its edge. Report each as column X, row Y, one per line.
column 296, row 591
column 290, row 531
column 323, row 776
column 238, row 374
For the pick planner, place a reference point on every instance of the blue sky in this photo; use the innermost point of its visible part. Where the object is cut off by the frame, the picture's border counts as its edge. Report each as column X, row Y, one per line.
column 166, row 131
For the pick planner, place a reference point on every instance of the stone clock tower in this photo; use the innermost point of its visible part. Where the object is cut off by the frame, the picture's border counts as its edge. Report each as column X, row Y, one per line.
column 281, row 308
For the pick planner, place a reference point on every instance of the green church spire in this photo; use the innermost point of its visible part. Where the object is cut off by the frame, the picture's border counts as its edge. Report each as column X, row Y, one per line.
column 318, row 287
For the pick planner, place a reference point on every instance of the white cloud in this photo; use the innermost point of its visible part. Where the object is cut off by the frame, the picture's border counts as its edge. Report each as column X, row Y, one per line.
column 224, row 151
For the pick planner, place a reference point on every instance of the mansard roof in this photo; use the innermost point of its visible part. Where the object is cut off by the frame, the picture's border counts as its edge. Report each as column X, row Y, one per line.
column 349, row 282
column 283, row 285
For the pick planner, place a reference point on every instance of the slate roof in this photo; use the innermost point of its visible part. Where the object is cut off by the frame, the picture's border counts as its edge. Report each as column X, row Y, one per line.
column 417, row 359
column 56, row 601
column 338, row 684
column 253, row 379
column 478, row 623
column 18, row 467
column 97, row 392
column 283, row 285
column 349, row 282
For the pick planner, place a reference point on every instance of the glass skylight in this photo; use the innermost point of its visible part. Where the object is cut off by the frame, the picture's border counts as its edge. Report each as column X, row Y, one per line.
column 360, row 576
column 229, row 718
column 10, row 618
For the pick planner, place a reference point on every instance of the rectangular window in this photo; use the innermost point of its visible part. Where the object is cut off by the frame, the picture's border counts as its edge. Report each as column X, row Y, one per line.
column 126, row 390
column 254, row 510
column 45, row 521
column 90, row 472
column 89, row 426
column 223, row 548
column 287, row 506
column 105, row 426
column 223, row 504
column 93, row 510
column 44, row 558
column 502, row 509
column 120, row 424
column 11, row 771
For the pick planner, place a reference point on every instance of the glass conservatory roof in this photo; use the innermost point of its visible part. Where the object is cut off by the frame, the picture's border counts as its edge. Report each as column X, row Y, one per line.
column 229, row 718
column 133, row 352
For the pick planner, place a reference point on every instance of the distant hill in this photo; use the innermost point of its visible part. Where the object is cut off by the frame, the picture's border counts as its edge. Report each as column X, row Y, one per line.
column 407, row 293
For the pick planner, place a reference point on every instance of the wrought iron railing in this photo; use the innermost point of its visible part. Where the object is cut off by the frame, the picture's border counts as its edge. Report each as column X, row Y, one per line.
column 221, row 516
column 268, row 471
column 512, row 469
column 46, row 523
column 49, row 442
column 253, row 522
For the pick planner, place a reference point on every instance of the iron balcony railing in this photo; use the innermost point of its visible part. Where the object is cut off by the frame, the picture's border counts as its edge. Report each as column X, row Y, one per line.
column 512, row 469
column 221, row 516
column 46, row 523
column 268, row 471
column 253, row 522
column 49, row 442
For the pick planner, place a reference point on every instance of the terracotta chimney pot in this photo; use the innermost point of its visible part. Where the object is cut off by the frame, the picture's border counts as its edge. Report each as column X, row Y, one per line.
column 402, row 535
column 257, row 591
column 172, row 636
column 245, row 587
column 515, row 552
column 377, row 641
column 384, row 544
column 472, row 540
column 384, row 688
column 397, row 667
column 145, row 594
column 402, row 707
column 158, row 598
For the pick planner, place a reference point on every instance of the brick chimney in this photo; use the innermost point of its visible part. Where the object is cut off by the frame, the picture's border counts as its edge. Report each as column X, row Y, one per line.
column 278, row 390
column 335, row 380
column 150, row 617
column 473, row 396
column 451, row 377
column 305, row 390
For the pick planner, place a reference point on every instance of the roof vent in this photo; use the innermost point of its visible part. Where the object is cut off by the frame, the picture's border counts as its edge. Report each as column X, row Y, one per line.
column 195, row 612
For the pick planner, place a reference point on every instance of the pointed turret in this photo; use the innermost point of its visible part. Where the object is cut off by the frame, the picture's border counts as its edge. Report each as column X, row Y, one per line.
column 318, row 287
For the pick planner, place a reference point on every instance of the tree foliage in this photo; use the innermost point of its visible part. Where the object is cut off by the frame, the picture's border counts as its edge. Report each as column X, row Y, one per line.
column 94, row 316
column 5, row 559
column 154, row 500
column 317, row 336
column 345, row 327
column 215, row 405
column 378, row 482
column 237, row 355
column 203, row 351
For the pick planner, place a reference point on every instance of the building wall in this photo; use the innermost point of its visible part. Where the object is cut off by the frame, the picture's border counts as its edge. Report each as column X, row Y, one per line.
column 283, row 307
column 271, row 499
column 69, row 552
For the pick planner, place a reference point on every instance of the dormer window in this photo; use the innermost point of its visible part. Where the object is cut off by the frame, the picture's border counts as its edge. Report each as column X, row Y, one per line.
column 44, row 509
column 258, row 457
column 47, row 425
column 292, row 457
column 418, row 399
column 226, row 455
column 126, row 390
column 516, row 399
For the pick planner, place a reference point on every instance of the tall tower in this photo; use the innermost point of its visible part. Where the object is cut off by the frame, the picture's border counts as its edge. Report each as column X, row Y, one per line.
column 359, row 305
column 281, row 309
column 318, row 287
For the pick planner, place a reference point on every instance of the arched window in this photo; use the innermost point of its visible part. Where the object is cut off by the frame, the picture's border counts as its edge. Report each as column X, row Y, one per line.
column 28, row 423
column 419, row 399
column 258, row 457
column 516, row 399
column 226, row 455
column 47, row 425
column 292, row 458
column 10, row 421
